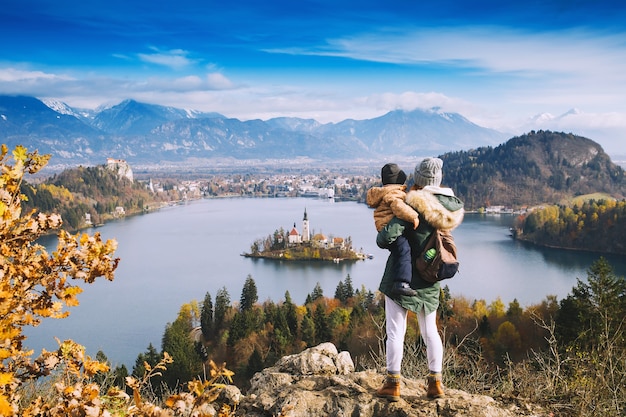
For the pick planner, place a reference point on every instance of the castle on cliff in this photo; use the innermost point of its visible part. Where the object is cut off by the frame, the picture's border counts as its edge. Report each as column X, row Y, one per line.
column 121, row 167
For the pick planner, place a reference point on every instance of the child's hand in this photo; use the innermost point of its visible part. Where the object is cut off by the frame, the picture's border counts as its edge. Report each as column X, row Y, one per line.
column 416, row 222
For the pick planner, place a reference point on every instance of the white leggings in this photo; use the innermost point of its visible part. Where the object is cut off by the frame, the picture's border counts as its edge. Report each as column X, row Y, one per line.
column 396, row 328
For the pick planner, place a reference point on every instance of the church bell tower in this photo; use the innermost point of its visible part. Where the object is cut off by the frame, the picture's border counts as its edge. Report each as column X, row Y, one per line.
column 306, row 234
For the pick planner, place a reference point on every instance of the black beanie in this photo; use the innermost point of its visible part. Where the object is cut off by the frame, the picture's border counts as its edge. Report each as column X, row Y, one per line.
column 392, row 174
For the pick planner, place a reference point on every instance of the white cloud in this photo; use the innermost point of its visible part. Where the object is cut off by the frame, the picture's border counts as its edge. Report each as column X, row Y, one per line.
column 218, row 81
column 190, row 82
column 494, row 49
column 174, row 58
column 92, row 91
column 17, row 75
column 410, row 100
column 567, row 68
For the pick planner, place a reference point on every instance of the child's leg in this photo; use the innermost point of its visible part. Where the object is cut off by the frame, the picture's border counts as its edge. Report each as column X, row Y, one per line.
column 401, row 253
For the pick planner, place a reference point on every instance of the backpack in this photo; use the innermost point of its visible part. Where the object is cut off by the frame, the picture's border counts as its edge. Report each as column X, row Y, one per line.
column 444, row 265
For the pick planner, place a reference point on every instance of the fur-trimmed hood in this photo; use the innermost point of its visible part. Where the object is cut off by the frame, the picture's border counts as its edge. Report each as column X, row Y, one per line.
column 438, row 206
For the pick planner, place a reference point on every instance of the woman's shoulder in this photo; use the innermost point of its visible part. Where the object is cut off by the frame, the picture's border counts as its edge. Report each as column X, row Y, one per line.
column 441, row 210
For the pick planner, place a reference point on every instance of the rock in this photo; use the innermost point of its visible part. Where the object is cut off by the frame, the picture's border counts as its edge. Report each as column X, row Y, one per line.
column 321, row 382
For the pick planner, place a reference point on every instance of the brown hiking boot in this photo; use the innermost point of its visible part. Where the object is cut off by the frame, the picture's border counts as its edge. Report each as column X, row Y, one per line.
column 435, row 388
column 390, row 389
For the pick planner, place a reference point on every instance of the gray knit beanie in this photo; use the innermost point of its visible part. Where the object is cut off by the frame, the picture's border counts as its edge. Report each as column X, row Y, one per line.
column 428, row 172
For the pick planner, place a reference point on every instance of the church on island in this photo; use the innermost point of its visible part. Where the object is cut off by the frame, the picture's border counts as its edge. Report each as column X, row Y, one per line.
column 318, row 240
column 305, row 246
column 295, row 236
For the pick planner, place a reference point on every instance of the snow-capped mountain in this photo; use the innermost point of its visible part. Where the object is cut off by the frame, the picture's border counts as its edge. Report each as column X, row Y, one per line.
column 148, row 133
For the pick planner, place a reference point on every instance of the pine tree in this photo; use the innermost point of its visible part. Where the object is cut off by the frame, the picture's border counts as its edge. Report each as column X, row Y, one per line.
column 323, row 331
column 290, row 314
column 348, row 287
column 249, row 294
column 151, row 357
column 255, row 364
column 237, row 329
column 317, row 292
column 308, row 329
column 595, row 309
column 206, row 317
column 340, row 292
column 222, row 305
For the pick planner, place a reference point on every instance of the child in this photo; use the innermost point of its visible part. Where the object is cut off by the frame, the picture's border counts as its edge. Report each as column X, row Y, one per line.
column 388, row 201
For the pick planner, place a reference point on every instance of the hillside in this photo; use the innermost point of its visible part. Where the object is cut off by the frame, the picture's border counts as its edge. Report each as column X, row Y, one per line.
column 536, row 168
column 86, row 196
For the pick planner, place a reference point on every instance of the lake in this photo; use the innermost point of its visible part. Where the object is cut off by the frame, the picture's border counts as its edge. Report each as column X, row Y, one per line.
column 178, row 254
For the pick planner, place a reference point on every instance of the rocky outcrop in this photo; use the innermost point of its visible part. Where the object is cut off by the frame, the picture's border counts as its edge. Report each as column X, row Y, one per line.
column 322, row 382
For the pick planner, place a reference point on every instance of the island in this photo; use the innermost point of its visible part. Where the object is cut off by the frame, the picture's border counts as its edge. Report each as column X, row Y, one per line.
column 305, row 246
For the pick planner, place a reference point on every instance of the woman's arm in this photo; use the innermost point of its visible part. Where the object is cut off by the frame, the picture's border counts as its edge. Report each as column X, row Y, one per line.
column 390, row 233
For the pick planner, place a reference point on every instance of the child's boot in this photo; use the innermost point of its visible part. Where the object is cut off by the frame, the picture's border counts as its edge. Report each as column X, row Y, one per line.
column 402, row 288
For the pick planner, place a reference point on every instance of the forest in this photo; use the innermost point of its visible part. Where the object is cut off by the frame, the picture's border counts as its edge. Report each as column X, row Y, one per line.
column 591, row 225
column 96, row 191
column 569, row 353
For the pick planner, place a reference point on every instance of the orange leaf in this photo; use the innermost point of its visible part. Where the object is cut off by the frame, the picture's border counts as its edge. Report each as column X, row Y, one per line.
column 5, row 378
column 5, row 407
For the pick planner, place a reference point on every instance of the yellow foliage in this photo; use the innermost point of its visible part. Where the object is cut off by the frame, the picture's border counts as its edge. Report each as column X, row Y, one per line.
column 6, row 409
column 480, row 309
column 5, row 378
column 35, row 284
column 497, row 308
column 57, row 192
column 301, row 310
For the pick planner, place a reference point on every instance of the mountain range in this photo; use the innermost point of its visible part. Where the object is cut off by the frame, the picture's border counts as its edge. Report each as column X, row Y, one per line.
column 144, row 133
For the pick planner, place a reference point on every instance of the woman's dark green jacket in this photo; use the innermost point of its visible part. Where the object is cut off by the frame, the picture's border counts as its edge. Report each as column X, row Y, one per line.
column 438, row 208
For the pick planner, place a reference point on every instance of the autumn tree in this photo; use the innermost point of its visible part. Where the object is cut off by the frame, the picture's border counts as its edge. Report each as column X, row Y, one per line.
column 507, row 341
column 35, row 284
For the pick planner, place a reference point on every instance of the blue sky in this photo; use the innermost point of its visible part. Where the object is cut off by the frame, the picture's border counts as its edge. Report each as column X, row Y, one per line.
column 498, row 63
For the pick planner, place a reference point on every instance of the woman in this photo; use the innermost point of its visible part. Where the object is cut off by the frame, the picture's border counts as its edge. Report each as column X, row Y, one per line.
column 438, row 208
